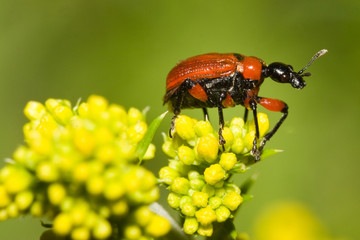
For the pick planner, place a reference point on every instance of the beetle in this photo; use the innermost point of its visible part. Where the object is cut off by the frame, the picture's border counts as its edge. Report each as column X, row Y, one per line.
column 225, row 80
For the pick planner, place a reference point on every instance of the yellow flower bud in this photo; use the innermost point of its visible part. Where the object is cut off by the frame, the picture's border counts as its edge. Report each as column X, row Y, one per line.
column 12, row 210
column 200, row 199
column 184, row 127
column 215, row 202
column 232, row 200
column 238, row 145
column 186, row 155
column 143, row 215
column 62, row 224
column 24, row 199
column 96, row 104
column 137, row 131
column 4, row 197
column 102, row 229
column 205, row 215
column 229, row 138
column 132, row 232
column 95, row 185
column 207, row 148
column 119, row 208
column 158, row 226
column 134, row 116
column 214, row 174
column 227, row 161
column 84, row 141
column 168, row 174
column 34, row 110
column 114, row 190
column 56, row 193
column 62, row 114
column 203, row 128
column 47, row 171
column 3, row 214
column 80, row 233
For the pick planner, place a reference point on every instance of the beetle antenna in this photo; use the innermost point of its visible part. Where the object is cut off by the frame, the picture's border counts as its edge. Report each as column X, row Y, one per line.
column 317, row 55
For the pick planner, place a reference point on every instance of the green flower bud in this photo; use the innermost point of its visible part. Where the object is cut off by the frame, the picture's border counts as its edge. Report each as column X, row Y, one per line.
column 180, row 185
column 205, row 230
column 185, row 199
column 214, row 174
column 238, row 145
column 188, row 209
column 37, row 209
column 191, row 225
column 215, row 202
column 205, row 215
column 222, row 214
column 168, row 175
column 173, row 200
column 197, row 184
column 208, row 189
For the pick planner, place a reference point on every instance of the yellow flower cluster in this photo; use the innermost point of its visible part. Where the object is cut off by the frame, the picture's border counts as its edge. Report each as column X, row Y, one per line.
column 198, row 173
column 79, row 169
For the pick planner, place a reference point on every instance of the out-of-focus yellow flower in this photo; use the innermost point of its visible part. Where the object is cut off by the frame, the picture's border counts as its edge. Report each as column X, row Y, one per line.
column 289, row 221
column 80, row 169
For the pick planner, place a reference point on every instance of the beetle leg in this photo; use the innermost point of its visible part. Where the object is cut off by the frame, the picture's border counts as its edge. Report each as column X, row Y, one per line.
column 274, row 105
column 255, row 150
column 206, row 115
column 246, row 115
column 221, row 126
column 186, row 85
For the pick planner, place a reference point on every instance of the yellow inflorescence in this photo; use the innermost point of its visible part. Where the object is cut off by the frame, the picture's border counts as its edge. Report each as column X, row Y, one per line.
column 79, row 168
column 199, row 170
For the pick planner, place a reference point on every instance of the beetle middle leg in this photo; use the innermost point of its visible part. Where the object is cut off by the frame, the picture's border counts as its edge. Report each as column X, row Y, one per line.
column 221, row 126
column 206, row 115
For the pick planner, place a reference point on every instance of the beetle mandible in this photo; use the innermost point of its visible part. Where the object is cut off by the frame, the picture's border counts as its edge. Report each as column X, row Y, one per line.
column 225, row 80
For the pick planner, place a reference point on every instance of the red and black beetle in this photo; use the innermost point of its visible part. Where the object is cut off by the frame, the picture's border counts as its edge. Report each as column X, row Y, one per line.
column 225, row 80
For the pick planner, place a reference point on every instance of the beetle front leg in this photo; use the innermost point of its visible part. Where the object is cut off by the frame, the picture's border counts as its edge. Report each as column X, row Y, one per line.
column 274, row 105
column 206, row 115
column 177, row 102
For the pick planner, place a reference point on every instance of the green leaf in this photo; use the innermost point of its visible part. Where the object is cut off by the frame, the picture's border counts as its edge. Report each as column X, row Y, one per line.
column 269, row 152
column 145, row 142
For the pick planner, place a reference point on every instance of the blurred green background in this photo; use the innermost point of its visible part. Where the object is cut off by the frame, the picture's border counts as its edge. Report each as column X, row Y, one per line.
column 123, row 50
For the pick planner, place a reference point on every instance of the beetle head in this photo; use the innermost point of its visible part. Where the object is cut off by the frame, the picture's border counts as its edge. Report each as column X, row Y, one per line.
column 283, row 73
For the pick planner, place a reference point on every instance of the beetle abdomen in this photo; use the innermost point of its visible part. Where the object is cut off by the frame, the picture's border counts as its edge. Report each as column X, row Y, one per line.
column 207, row 66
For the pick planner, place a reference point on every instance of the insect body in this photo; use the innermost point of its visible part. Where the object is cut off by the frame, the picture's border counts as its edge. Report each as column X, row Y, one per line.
column 225, row 80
